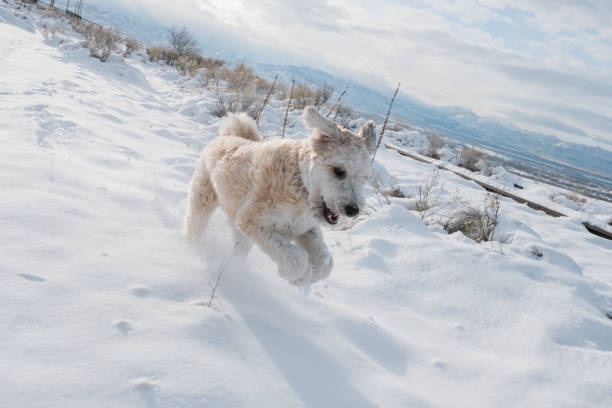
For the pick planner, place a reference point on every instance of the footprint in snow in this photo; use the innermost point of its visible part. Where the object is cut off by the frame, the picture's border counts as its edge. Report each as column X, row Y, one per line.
column 141, row 292
column 146, row 389
column 123, row 326
column 32, row 278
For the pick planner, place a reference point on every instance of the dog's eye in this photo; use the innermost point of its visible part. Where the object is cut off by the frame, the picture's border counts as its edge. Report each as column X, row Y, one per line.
column 339, row 172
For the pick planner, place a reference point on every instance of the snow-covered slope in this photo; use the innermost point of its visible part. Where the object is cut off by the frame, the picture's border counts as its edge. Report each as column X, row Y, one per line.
column 368, row 94
column 104, row 304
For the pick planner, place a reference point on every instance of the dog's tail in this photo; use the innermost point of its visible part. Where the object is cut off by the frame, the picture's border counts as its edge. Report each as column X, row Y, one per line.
column 241, row 125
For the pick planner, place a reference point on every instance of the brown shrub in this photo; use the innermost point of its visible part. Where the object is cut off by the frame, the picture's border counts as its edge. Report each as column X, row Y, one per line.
column 239, row 77
column 303, row 95
column 53, row 12
column 282, row 91
column 477, row 224
column 132, row 45
column 469, row 158
column 163, row 54
column 435, row 142
column 182, row 41
column 576, row 197
column 261, row 85
column 425, row 194
column 322, row 95
column 344, row 115
column 100, row 41
column 186, row 64
column 106, row 41
column 236, row 102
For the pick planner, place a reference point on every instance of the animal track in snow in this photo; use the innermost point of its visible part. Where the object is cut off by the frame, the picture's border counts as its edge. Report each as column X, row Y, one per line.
column 123, row 326
column 33, row 278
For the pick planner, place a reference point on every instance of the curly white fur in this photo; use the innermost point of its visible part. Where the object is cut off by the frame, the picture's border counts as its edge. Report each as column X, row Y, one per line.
column 278, row 193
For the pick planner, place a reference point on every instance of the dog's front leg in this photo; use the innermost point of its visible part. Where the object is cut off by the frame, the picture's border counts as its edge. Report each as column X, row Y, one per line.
column 293, row 264
column 292, row 261
column 320, row 259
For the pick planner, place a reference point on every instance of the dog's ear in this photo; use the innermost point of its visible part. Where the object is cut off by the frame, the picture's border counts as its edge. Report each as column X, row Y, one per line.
column 314, row 120
column 322, row 142
column 367, row 133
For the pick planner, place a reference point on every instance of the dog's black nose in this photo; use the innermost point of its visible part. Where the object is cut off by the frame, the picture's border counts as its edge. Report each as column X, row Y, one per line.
column 351, row 210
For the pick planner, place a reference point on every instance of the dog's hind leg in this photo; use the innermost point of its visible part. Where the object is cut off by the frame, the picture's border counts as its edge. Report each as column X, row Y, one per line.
column 201, row 203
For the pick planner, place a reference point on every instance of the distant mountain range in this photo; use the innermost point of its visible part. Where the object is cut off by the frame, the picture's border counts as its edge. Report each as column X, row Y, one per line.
column 458, row 123
column 373, row 100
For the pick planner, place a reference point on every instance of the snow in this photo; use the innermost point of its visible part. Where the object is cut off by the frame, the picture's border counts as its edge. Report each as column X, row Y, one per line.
column 103, row 302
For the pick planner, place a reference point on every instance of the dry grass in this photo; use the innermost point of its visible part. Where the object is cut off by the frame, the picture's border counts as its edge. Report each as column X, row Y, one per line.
column 100, row 41
column 240, row 77
column 236, row 102
column 106, row 42
column 188, row 65
column 222, row 269
column 477, row 223
column 394, row 190
column 333, row 108
column 576, row 197
column 131, row 46
column 469, row 158
column 383, row 193
column 304, row 94
column 162, row 54
column 322, row 95
column 53, row 29
column 435, row 142
column 488, row 169
column 425, row 200
column 344, row 115
column 382, row 199
column 53, row 12
column 282, row 91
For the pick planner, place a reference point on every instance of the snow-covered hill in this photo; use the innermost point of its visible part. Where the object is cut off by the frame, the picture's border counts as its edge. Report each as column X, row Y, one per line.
column 372, row 95
column 103, row 303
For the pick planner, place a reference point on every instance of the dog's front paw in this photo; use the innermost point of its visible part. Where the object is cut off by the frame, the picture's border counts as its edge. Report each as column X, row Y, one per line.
column 322, row 267
column 295, row 267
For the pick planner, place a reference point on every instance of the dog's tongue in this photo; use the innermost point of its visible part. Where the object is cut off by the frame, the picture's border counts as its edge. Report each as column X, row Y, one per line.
column 331, row 216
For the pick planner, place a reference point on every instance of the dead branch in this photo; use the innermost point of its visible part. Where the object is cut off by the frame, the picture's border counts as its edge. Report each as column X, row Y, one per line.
column 382, row 132
column 288, row 104
column 266, row 100
column 222, row 269
column 338, row 101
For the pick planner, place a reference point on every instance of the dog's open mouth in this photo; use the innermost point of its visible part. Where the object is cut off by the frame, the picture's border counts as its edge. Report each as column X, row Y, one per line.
column 330, row 216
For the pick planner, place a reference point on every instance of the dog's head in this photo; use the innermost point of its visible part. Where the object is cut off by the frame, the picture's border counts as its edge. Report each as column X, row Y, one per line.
column 340, row 166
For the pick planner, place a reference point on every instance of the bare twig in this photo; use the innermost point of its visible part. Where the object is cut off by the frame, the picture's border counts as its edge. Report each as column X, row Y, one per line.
column 222, row 269
column 382, row 132
column 266, row 100
column 288, row 104
column 424, row 205
column 338, row 101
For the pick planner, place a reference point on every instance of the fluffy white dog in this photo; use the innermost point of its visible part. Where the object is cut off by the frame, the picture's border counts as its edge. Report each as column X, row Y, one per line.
column 278, row 193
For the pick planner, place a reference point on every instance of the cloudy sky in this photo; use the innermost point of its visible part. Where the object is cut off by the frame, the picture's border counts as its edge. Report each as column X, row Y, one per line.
column 544, row 65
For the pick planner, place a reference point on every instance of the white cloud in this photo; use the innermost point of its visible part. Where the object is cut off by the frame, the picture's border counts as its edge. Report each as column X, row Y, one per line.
column 484, row 55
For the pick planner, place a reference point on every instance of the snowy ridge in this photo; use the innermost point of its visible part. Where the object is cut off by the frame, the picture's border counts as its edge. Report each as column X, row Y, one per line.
column 371, row 96
column 103, row 302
